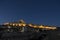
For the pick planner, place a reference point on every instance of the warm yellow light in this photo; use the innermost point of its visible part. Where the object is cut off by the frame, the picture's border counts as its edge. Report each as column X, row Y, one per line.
column 47, row 27
column 35, row 26
column 30, row 25
column 20, row 25
column 53, row 28
column 41, row 26
column 24, row 24
column 50, row 28
column 13, row 24
column 16, row 24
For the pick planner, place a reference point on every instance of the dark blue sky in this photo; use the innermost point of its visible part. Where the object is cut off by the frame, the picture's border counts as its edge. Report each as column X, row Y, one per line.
column 45, row 12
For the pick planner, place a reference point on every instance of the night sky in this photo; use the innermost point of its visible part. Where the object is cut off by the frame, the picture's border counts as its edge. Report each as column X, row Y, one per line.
column 46, row 12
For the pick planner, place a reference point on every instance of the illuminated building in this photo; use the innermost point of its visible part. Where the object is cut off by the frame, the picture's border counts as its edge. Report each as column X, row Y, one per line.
column 22, row 26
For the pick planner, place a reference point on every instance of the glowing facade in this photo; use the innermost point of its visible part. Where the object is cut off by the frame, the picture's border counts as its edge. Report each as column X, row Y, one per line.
column 23, row 25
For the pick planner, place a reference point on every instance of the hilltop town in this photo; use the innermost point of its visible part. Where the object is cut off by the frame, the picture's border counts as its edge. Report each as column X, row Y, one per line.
column 23, row 31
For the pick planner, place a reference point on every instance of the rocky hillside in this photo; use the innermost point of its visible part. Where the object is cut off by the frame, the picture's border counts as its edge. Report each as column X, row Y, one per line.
column 42, row 35
column 54, row 35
